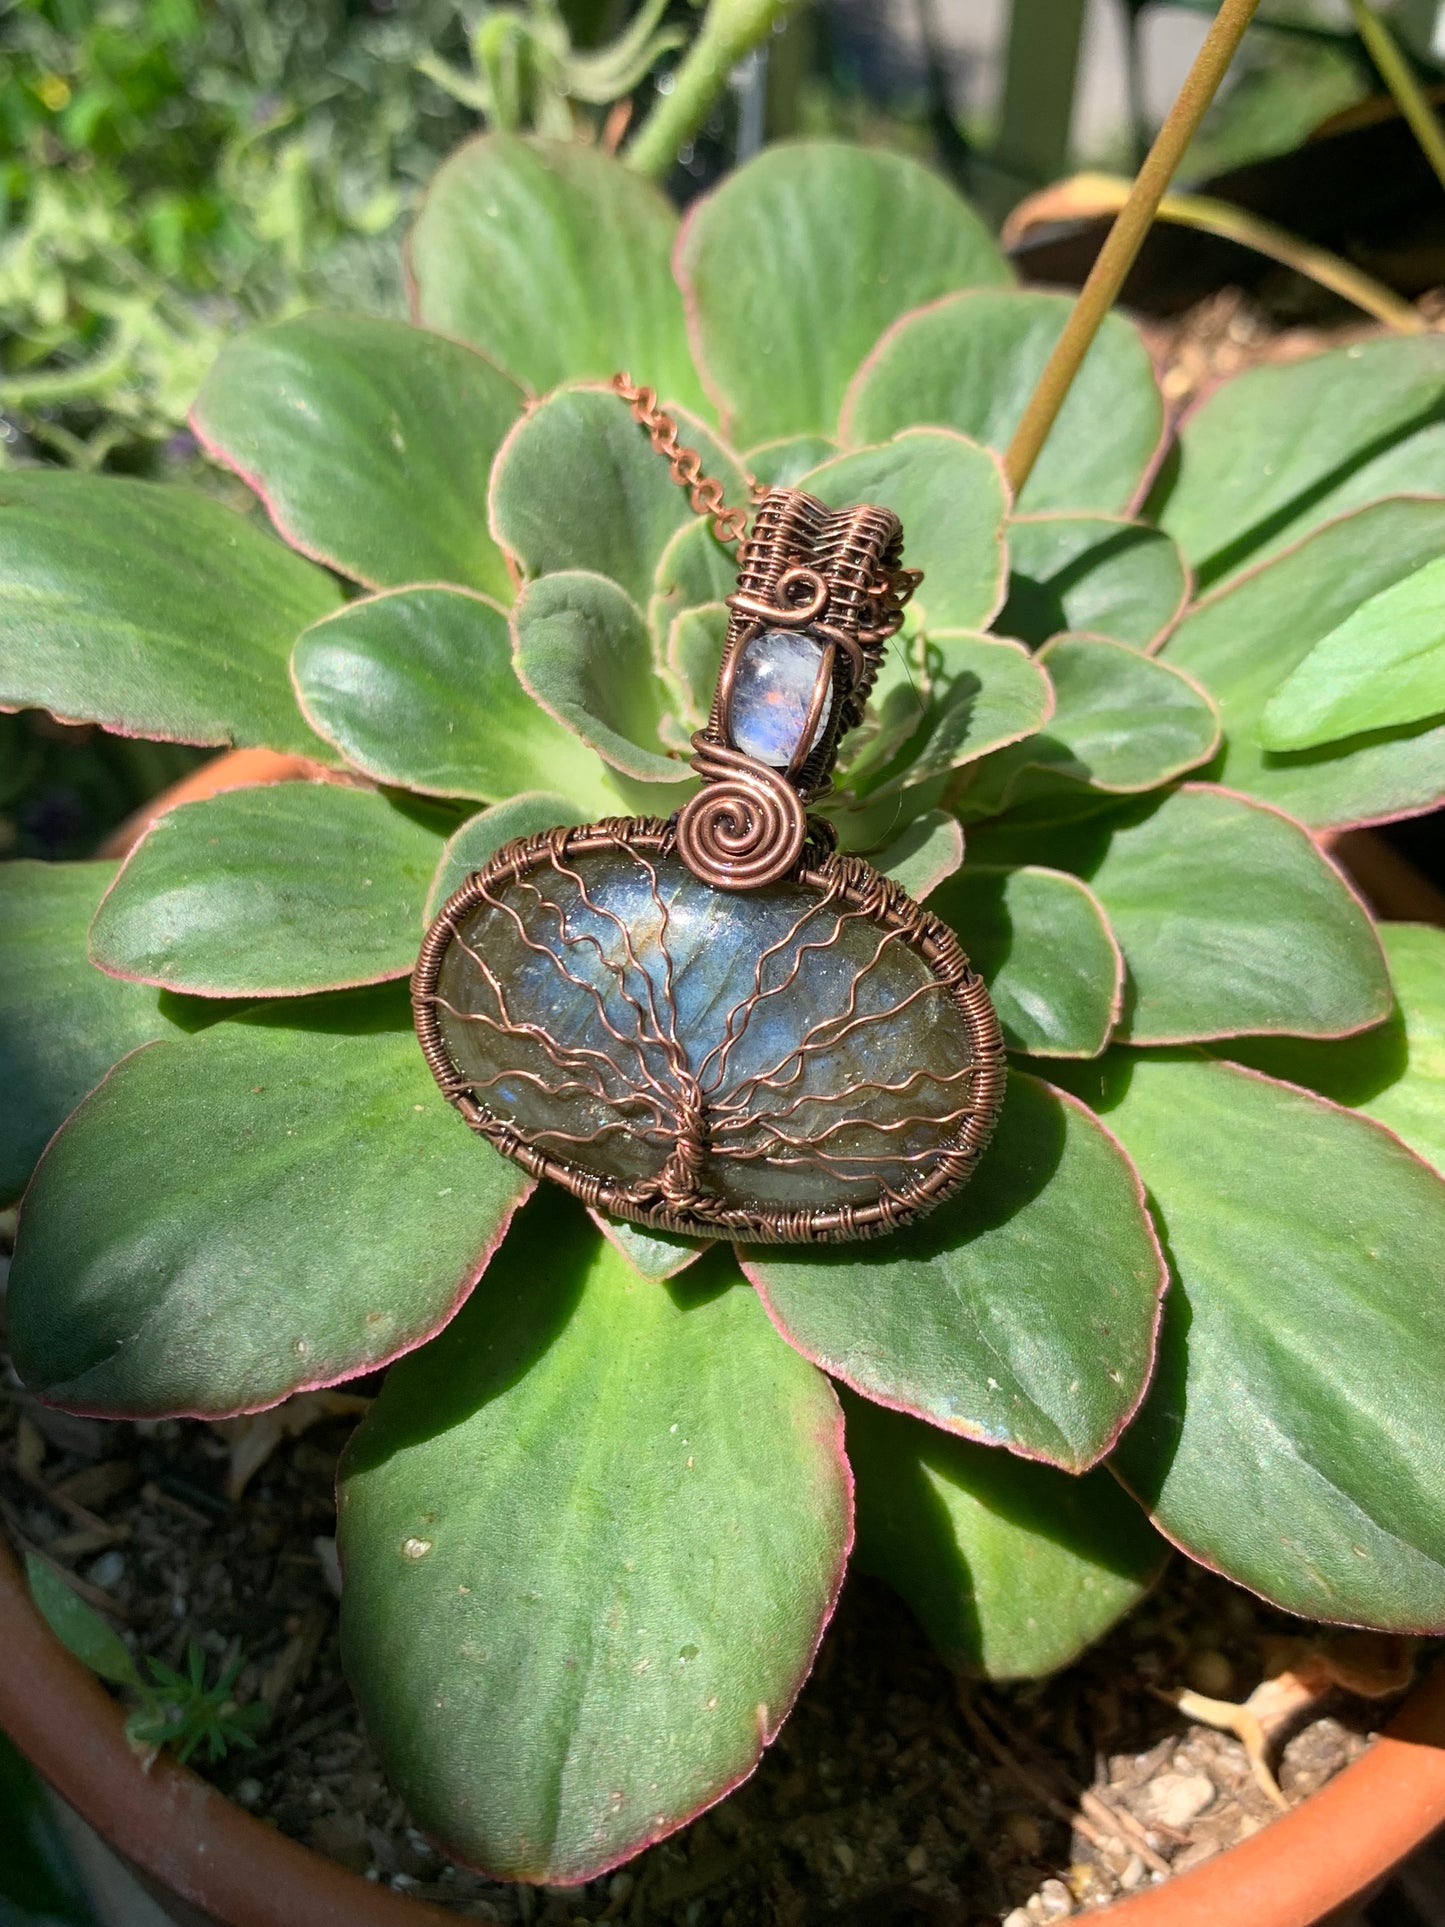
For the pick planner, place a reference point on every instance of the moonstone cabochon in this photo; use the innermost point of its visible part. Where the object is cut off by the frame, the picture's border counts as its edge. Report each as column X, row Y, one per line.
column 811, row 1060
column 772, row 694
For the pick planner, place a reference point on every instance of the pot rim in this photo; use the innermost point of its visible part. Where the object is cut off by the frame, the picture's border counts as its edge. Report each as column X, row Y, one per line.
column 210, row 1853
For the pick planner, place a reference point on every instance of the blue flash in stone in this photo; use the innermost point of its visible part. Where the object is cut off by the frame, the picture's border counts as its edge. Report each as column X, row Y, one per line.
column 772, row 691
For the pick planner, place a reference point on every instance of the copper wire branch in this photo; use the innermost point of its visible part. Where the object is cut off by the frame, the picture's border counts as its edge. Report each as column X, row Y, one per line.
column 901, row 1159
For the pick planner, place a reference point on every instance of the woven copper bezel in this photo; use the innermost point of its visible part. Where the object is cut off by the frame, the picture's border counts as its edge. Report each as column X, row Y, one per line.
column 820, row 869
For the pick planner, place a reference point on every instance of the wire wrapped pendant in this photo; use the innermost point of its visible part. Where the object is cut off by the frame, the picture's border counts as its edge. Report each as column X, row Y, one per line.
column 716, row 1024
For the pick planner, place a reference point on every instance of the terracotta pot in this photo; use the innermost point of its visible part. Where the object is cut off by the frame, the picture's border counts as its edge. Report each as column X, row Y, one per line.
column 208, row 1861
column 234, row 769
column 205, row 1858
column 211, row 1864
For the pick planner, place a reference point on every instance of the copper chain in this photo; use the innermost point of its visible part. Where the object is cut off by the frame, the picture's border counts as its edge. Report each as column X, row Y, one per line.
column 704, row 491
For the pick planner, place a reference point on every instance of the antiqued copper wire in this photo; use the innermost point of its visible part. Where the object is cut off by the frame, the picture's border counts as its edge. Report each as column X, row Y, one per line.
column 838, row 576
column 835, row 575
column 745, row 826
column 705, row 494
column 684, row 1111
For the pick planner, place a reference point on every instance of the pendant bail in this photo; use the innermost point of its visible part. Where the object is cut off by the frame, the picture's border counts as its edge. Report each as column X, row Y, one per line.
column 819, row 593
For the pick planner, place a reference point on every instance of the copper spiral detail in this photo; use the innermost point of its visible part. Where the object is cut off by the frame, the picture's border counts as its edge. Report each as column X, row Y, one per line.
column 745, row 827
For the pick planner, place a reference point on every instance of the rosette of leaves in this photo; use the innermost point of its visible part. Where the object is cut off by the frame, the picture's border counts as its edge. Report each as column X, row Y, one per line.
column 595, row 1524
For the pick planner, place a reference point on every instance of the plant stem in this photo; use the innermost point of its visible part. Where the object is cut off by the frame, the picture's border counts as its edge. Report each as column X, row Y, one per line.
column 91, row 377
column 1126, row 237
column 1399, row 77
column 1092, row 194
column 730, row 29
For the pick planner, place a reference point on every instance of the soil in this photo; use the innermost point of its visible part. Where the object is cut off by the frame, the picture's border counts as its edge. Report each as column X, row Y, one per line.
column 1231, row 331
column 895, row 1795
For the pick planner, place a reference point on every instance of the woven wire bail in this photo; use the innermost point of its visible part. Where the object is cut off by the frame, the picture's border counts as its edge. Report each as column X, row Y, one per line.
column 836, row 576
column 832, row 577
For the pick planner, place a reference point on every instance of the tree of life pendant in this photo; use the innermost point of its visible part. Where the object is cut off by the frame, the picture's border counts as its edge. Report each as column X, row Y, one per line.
column 716, row 1024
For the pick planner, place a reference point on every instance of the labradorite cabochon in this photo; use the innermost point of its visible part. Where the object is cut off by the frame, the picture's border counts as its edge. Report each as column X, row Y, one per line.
column 780, row 1050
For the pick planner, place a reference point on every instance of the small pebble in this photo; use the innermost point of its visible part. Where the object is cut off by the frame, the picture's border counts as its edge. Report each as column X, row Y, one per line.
column 1175, row 1799
column 1054, row 1901
column 1020, row 1917
column 248, row 1792
column 330, row 1564
column 1087, row 1884
column 620, row 1887
column 917, row 1861
column 107, row 1571
column 1133, row 1874
column 844, row 1856
column 1211, row 1673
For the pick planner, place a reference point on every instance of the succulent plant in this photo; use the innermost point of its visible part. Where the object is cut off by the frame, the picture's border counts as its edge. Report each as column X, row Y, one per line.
column 595, row 1523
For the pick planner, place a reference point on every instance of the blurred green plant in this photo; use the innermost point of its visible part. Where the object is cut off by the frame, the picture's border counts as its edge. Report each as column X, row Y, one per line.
column 175, row 170
column 595, row 1523
column 172, row 170
column 527, row 73
column 39, row 1884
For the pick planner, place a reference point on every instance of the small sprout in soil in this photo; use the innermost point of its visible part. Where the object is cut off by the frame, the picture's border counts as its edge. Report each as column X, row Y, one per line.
column 172, row 1709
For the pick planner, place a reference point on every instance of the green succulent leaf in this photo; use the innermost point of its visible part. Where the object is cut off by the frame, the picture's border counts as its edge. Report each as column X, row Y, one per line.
column 952, row 499
column 612, row 1516
column 153, row 610
column 190, row 1237
column 584, row 653
column 695, row 645
column 1022, row 1313
column 923, row 853
column 1012, row 1568
column 655, row 1254
column 1394, row 1073
column 79, row 1627
column 417, row 687
column 555, row 261
column 1122, row 723
column 1040, row 940
column 1244, row 640
column 983, row 693
column 1279, row 450
column 784, row 463
column 62, row 1023
column 269, row 892
column 1097, row 573
column 1289, row 1435
column 694, row 569
column 1384, row 665
column 370, row 443
column 971, row 362
column 481, row 836
column 1231, row 921
column 579, row 486
column 795, row 265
